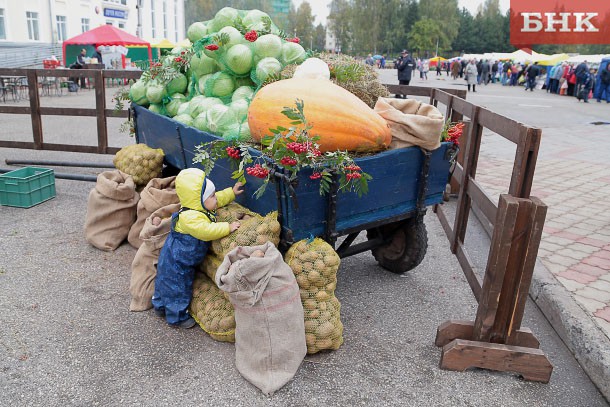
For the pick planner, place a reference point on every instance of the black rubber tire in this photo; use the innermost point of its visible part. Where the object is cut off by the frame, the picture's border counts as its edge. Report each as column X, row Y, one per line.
column 405, row 246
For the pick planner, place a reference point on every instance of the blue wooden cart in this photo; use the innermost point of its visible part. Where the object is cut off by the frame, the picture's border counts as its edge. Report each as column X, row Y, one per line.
column 405, row 181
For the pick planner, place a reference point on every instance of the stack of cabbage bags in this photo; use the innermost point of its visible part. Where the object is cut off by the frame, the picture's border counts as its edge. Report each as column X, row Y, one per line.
column 232, row 56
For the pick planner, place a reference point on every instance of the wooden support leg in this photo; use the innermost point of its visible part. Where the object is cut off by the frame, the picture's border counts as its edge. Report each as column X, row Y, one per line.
column 456, row 329
column 530, row 363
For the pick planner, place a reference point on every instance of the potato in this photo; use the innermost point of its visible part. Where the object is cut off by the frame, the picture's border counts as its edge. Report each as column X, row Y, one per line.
column 314, row 277
column 262, row 229
column 310, row 304
column 323, row 306
column 330, row 287
column 322, row 296
column 303, row 281
column 310, row 340
column 297, row 268
column 227, row 323
column 325, row 330
column 274, row 227
column 314, row 314
column 326, row 343
column 337, row 342
column 331, row 260
column 261, row 239
column 311, row 325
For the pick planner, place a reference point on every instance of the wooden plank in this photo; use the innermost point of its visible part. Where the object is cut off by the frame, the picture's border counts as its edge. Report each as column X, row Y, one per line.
column 463, row 205
column 68, row 111
column 469, row 271
column 460, row 329
column 13, row 72
column 463, row 107
column 508, row 128
column 497, row 261
column 75, row 148
column 17, row 144
column 482, row 200
column 15, row 109
column 35, row 109
column 536, row 221
column 122, row 74
column 504, row 315
column 525, row 163
column 530, row 363
column 100, row 105
column 117, row 113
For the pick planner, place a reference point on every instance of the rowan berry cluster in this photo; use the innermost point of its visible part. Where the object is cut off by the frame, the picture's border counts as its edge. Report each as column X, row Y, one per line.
column 251, row 36
column 257, row 171
column 233, row 152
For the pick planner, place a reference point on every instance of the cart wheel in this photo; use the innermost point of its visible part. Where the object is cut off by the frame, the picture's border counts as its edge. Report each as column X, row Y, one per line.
column 405, row 244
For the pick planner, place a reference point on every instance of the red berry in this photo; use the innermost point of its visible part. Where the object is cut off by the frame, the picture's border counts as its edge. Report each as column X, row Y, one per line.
column 251, row 36
column 211, row 47
column 315, row 175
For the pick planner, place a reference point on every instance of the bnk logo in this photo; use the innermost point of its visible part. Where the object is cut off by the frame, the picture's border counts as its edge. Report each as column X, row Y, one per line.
column 559, row 22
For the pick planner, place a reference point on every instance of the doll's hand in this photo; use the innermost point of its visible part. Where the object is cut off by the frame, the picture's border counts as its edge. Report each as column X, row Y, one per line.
column 234, row 226
column 238, row 188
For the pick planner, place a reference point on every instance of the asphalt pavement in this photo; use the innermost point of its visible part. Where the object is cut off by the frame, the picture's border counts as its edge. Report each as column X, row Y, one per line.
column 67, row 337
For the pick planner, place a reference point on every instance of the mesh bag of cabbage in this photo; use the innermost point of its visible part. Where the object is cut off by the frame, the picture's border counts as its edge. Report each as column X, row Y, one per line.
column 140, row 161
column 315, row 266
column 212, row 309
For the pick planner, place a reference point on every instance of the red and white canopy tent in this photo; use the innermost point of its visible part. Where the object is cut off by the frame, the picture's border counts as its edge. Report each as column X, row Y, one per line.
column 106, row 35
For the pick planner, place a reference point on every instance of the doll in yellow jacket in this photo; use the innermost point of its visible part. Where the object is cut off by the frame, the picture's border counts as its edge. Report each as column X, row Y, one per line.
column 193, row 227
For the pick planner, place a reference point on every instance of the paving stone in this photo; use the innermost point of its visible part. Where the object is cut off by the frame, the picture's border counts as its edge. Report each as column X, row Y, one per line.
column 570, row 285
column 601, row 237
column 593, row 242
column 578, row 277
column 584, row 247
column 604, row 254
column 594, row 293
column 603, row 325
column 601, row 285
column 551, row 247
column 588, row 269
column 604, row 313
column 558, row 240
column 574, row 254
column 594, row 261
column 590, row 304
column 552, row 267
column 566, row 234
column 563, row 260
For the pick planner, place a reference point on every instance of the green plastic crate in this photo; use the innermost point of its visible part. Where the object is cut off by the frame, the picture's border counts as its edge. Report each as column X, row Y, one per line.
column 27, row 187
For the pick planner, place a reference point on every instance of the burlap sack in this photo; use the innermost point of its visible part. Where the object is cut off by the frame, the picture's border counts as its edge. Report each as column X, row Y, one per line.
column 111, row 210
column 412, row 123
column 159, row 192
column 270, row 331
column 144, row 265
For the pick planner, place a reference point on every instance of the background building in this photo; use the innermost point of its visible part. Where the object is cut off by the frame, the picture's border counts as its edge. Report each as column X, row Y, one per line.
column 33, row 30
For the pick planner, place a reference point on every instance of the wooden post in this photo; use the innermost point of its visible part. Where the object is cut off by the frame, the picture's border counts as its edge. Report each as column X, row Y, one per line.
column 100, row 104
column 495, row 340
column 35, row 108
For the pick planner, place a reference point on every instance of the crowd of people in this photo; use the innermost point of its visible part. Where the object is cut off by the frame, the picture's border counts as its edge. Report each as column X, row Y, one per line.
column 578, row 80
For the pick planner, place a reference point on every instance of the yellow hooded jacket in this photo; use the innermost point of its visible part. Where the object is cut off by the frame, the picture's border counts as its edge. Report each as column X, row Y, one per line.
column 198, row 222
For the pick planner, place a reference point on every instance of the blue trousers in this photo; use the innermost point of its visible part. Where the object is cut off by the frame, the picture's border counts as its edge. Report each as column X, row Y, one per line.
column 180, row 256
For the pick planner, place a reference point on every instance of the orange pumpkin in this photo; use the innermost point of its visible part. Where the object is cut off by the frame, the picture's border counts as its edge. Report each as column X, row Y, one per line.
column 341, row 119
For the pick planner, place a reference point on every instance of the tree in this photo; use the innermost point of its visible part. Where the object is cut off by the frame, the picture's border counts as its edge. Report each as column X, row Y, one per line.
column 339, row 21
column 425, row 35
column 445, row 13
column 319, row 39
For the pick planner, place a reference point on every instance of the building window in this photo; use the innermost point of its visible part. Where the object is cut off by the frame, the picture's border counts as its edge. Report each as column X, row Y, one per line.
column 2, row 25
column 32, row 19
column 109, row 22
column 121, row 25
column 176, row 19
column 61, row 28
column 84, row 24
column 164, row 18
column 152, row 16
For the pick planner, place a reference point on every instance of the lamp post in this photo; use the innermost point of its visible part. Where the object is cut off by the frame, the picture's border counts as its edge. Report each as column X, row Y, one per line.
column 139, row 6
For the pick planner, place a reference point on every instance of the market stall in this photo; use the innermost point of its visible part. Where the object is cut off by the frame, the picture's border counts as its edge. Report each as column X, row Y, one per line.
column 106, row 36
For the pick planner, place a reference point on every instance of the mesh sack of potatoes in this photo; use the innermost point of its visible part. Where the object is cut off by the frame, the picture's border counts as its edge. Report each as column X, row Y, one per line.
column 210, row 265
column 315, row 264
column 253, row 230
column 232, row 212
column 212, row 310
column 140, row 161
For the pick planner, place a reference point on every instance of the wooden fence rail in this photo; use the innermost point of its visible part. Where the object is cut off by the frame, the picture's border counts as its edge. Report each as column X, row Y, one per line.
column 36, row 111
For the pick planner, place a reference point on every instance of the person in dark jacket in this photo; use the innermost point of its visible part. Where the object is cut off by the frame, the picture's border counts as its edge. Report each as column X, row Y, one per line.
column 531, row 73
column 604, row 86
column 405, row 67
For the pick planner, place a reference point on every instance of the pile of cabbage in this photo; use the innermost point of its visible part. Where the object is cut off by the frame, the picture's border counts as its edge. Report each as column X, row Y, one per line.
column 232, row 56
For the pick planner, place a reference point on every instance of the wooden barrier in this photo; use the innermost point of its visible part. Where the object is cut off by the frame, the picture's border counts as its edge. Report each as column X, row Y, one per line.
column 495, row 340
column 36, row 111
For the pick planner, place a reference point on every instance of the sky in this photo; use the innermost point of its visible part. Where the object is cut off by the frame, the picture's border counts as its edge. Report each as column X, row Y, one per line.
column 320, row 7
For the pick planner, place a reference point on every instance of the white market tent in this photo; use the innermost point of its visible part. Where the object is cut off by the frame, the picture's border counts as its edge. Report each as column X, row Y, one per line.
column 591, row 59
